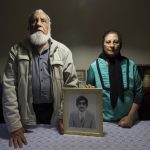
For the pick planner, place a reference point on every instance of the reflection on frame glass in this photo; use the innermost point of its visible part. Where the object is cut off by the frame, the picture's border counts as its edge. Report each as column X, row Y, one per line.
column 83, row 111
column 81, row 73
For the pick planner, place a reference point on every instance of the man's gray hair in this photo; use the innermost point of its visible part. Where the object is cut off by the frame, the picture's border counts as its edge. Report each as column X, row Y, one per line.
column 38, row 10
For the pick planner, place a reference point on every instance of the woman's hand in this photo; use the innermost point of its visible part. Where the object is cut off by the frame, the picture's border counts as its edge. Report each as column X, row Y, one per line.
column 129, row 120
column 89, row 86
column 126, row 122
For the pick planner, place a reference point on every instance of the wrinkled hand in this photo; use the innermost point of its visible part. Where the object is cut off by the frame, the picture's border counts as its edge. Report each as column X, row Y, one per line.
column 89, row 86
column 126, row 122
column 17, row 138
column 60, row 126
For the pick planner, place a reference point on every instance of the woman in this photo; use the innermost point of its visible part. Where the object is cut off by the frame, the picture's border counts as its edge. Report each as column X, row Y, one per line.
column 118, row 77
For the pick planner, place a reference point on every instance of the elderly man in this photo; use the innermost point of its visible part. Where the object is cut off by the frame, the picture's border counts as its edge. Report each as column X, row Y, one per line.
column 37, row 69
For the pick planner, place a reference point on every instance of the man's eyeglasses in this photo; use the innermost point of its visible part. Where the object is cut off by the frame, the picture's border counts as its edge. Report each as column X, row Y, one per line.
column 82, row 103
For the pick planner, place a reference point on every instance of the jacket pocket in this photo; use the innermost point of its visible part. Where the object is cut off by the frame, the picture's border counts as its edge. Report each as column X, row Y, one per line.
column 58, row 70
column 23, row 64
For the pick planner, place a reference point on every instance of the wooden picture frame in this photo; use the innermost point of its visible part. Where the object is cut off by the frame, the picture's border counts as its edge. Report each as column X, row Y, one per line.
column 85, row 102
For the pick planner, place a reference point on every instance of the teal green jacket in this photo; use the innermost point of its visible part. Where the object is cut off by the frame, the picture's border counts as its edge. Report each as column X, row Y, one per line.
column 132, row 84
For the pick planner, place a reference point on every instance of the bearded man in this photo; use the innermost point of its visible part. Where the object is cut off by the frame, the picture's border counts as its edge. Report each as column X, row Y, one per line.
column 37, row 69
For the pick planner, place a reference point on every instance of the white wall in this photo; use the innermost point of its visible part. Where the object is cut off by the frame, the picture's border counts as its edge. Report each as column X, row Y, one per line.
column 80, row 24
column 83, row 56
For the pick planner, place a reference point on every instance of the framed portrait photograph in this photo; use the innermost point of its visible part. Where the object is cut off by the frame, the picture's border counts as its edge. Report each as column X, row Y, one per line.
column 81, row 73
column 82, row 109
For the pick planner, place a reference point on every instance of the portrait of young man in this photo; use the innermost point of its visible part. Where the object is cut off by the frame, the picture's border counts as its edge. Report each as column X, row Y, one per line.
column 82, row 118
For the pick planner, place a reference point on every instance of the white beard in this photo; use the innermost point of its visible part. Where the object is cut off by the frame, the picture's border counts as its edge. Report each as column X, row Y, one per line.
column 38, row 38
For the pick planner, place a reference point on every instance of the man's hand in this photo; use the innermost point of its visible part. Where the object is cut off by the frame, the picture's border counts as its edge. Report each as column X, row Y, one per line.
column 17, row 138
column 126, row 122
column 60, row 126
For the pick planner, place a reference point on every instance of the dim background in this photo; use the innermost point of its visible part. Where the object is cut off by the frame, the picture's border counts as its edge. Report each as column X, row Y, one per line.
column 80, row 24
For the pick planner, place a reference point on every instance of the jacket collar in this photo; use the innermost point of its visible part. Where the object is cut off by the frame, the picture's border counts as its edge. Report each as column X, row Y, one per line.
column 54, row 46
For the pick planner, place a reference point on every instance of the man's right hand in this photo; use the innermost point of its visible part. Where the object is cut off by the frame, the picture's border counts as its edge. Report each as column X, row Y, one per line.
column 60, row 126
column 17, row 138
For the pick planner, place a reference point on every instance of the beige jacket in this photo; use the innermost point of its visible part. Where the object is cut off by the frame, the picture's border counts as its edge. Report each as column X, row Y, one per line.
column 17, row 83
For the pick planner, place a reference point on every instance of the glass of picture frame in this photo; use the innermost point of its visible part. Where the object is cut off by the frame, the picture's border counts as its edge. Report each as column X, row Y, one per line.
column 81, row 74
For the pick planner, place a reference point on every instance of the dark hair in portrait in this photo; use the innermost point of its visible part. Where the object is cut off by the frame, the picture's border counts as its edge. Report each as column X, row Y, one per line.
column 82, row 98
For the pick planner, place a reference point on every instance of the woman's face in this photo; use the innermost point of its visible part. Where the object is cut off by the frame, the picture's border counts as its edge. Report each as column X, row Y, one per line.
column 111, row 44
